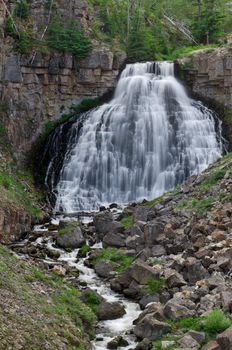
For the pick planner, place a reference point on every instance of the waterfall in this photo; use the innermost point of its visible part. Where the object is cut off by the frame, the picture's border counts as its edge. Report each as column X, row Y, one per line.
column 149, row 138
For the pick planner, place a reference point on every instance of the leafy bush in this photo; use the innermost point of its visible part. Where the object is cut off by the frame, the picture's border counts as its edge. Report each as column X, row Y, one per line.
column 216, row 322
column 68, row 39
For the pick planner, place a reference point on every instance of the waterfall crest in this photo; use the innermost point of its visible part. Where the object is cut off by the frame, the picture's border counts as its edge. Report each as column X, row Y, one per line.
column 149, row 138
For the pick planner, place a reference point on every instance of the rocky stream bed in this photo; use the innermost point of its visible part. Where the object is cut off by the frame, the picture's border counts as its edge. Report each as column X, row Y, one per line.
column 159, row 273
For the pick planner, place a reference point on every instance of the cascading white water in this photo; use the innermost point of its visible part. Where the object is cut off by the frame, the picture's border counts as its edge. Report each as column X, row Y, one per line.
column 150, row 137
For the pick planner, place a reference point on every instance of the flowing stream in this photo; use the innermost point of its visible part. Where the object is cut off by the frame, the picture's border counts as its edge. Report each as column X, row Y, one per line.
column 149, row 138
column 106, row 330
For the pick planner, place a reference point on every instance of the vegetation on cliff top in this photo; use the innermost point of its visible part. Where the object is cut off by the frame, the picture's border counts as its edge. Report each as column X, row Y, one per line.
column 144, row 29
column 58, row 35
column 148, row 29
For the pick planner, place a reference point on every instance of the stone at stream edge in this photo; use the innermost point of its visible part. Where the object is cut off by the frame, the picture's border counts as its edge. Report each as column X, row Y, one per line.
column 151, row 328
column 73, row 239
column 110, row 311
column 117, row 342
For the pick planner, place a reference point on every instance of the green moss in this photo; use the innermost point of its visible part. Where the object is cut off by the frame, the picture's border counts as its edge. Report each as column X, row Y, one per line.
column 227, row 118
column 127, row 222
column 115, row 255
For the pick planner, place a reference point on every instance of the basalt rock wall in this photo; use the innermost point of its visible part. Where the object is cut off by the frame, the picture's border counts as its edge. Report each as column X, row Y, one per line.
column 36, row 87
column 208, row 74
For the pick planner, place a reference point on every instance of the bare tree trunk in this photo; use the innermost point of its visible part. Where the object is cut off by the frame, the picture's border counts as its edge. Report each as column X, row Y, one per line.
column 128, row 20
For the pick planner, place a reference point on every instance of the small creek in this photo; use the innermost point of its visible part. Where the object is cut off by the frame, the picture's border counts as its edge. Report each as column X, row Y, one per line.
column 106, row 330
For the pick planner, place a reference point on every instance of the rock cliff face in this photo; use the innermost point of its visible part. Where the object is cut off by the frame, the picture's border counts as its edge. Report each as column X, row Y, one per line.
column 38, row 87
column 208, row 73
column 14, row 221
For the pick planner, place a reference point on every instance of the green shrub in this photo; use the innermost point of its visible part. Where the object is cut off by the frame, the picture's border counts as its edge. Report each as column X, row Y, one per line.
column 84, row 250
column 216, row 322
column 187, row 323
column 115, row 255
column 155, row 286
column 23, row 42
column 92, row 300
column 9, row 28
column 127, row 222
column 68, row 39
column 22, row 9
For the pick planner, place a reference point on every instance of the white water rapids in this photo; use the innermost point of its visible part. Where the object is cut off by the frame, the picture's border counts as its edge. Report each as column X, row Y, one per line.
column 149, row 138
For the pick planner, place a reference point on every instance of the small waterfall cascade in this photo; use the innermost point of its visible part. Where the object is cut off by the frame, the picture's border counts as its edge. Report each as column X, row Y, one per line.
column 150, row 137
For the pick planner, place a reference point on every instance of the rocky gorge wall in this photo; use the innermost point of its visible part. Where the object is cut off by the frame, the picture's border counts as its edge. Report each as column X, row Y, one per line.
column 38, row 87
column 208, row 75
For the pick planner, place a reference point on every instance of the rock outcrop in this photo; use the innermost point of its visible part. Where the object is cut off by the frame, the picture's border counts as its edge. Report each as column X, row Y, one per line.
column 39, row 87
column 208, row 74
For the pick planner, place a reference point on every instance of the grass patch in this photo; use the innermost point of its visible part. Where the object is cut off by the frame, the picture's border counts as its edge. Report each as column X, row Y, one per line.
column 157, row 345
column 186, row 51
column 127, row 222
column 92, row 300
column 52, row 313
column 216, row 322
column 212, row 180
column 154, row 201
column 17, row 188
column 200, row 206
column 68, row 303
column 115, row 255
